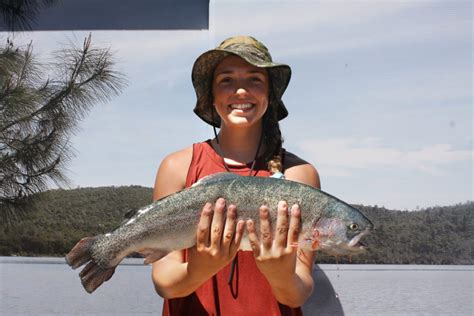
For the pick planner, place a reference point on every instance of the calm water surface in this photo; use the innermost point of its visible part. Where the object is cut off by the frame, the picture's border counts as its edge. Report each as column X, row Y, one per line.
column 47, row 286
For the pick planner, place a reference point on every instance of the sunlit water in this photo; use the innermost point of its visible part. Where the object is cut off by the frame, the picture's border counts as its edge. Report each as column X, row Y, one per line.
column 47, row 286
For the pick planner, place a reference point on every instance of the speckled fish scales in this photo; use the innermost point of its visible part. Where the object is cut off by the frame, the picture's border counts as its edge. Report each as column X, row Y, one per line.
column 170, row 223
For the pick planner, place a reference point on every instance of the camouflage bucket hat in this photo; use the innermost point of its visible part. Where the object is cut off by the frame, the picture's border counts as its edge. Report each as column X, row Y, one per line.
column 252, row 51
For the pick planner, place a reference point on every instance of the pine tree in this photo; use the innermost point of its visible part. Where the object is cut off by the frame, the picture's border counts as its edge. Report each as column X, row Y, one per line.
column 38, row 115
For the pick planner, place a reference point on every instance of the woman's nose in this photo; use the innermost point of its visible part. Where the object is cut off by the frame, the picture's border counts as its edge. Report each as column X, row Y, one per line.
column 241, row 91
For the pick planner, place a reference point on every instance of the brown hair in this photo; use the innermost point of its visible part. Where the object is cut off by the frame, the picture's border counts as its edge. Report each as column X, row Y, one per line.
column 272, row 139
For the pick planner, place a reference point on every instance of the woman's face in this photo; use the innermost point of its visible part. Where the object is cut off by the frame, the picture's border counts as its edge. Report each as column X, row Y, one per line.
column 240, row 92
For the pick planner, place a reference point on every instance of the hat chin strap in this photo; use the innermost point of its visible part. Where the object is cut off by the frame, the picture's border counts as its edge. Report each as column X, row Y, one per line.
column 213, row 126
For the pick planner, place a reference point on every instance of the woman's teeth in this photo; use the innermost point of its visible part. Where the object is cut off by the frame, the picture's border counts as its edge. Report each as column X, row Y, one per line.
column 244, row 106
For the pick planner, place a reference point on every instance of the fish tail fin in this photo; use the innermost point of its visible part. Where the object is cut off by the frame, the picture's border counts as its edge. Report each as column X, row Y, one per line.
column 93, row 275
column 81, row 252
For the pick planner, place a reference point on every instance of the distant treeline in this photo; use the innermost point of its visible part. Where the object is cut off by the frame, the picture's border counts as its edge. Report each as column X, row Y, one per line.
column 436, row 235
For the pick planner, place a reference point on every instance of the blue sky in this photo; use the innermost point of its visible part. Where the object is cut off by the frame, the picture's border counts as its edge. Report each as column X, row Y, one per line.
column 380, row 99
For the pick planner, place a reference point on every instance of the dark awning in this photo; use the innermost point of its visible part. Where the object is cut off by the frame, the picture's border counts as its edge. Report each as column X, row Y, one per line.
column 120, row 15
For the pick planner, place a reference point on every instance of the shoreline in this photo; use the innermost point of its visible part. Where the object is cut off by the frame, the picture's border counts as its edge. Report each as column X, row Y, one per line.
column 317, row 266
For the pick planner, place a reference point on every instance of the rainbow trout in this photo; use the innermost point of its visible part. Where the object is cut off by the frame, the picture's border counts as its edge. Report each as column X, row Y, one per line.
column 169, row 224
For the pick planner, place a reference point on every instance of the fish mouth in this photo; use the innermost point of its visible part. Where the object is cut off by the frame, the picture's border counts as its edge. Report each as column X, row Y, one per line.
column 356, row 243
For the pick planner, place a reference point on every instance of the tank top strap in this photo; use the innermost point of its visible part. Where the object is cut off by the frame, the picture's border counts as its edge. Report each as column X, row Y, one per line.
column 282, row 156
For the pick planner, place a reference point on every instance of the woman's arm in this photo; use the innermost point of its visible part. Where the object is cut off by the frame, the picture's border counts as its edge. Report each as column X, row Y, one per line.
column 217, row 238
column 170, row 178
column 288, row 269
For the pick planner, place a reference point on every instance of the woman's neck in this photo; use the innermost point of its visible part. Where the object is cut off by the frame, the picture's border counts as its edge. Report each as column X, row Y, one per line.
column 239, row 144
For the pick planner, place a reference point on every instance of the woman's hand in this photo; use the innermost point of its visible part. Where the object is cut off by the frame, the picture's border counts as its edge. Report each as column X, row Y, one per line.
column 218, row 238
column 276, row 252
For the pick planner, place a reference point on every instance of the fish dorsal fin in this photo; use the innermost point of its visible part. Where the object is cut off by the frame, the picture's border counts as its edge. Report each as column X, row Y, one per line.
column 221, row 176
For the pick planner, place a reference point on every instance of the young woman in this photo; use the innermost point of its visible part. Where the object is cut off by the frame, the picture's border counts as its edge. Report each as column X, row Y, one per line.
column 239, row 90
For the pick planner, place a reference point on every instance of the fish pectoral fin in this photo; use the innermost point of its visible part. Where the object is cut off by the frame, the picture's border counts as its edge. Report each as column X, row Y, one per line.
column 151, row 254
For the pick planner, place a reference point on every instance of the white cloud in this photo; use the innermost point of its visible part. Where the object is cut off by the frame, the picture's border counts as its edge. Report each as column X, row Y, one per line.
column 340, row 156
column 421, row 86
column 324, row 27
column 276, row 16
column 391, row 33
column 129, row 44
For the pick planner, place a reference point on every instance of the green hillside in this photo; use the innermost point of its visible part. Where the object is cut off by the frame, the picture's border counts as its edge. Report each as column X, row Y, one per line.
column 437, row 235
column 61, row 217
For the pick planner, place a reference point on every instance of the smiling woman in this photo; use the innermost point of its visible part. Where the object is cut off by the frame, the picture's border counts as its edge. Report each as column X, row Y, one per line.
column 239, row 90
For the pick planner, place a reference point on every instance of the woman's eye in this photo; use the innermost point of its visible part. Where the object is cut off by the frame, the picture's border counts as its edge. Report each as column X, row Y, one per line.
column 225, row 80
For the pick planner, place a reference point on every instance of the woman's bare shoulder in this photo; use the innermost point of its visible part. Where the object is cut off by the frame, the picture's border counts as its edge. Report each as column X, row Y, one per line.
column 298, row 169
column 172, row 173
column 178, row 159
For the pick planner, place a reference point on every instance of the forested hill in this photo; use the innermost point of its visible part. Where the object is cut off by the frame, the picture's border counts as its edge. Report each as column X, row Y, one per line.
column 437, row 235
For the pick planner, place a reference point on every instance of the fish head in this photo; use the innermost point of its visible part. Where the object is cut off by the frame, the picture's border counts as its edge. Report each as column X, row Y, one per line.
column 338, row 231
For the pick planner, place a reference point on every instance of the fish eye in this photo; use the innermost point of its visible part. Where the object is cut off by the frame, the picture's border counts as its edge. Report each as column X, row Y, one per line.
column 353, row 226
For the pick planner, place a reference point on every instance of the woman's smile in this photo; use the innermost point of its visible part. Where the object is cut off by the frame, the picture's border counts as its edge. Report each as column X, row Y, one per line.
column 241, row 109
column 241, row 106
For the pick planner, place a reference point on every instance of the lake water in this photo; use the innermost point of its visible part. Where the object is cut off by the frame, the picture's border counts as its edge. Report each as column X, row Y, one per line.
column 47, row 286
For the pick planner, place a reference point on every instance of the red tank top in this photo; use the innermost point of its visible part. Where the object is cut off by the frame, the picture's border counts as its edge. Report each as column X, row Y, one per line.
column 214, row 297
